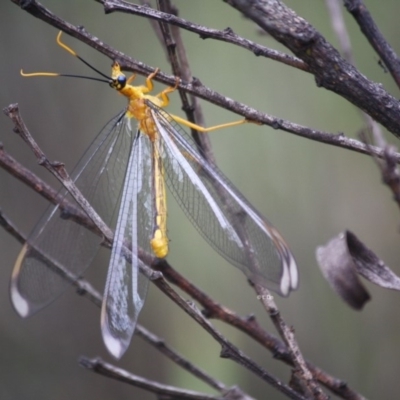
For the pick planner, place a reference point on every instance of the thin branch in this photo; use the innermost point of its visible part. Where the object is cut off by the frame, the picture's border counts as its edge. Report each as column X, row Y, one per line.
column 178, row 359
column 304, row 377
column 69, row 210
column 180, row 67
column 227, row 35
column 110, row 371
column 331, row 71
column 155, row 26
column 197, row 89
column 202, row 140
column 57, row 170
column 10, row 228
column 387, row 166
column 83, row 287
column 339, row 27
column 169, row 44
column 390, row 173
column 375, row 37
column 251, row 327
column 228, row 349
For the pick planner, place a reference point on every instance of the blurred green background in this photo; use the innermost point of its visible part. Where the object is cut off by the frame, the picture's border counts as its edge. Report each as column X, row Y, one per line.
column 310, row 191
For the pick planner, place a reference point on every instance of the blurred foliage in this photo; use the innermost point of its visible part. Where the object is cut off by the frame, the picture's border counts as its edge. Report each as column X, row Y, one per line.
column 310, row 191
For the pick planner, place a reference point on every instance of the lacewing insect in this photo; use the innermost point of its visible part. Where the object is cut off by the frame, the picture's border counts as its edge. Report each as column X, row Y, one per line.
column 123, row 175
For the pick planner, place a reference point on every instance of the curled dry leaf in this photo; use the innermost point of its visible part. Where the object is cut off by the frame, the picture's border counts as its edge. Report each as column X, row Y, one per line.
column 345, row 257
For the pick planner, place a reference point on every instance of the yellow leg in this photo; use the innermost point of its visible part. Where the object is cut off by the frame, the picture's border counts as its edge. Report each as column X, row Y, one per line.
column 164, row 94
column 165, row 101
column 149, row 81
column 211, row 128
column 130, row 79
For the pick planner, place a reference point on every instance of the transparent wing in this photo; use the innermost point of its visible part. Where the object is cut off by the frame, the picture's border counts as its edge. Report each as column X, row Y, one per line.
column 126, row 288
column 227, row 221
column 60, row 249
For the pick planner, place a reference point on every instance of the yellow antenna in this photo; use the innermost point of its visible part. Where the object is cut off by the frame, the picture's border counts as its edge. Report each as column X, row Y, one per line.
column 72, row 52
column 64, row 46
column 38, row 74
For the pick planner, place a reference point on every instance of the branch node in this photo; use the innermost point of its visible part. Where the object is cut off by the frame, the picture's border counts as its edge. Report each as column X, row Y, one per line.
column 25, row 4
column 251, row 318
column 195, row 82
column 42, row 160
column 225, row 352
column 155, row 275
column 276, row 123
column 229, row 31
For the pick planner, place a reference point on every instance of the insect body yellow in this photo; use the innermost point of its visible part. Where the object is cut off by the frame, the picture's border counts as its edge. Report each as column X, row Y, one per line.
column 138, row 109
column 124, row 175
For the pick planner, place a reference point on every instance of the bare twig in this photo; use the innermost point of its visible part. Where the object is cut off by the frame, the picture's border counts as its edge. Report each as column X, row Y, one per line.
column 197, row 89
column 228, row 349
column 303, row 375
column 226, row 35
column 83, row 287
column 180, row 67
column 339, row 27
column 389, row 171
column 101, row 367
column 173, row 355
column 57, row 169
column 250, row 326
column 387, row 166
column 163, row 391
column 10, row 228
column 155, row 26
column 331, row 71
column 8, row 163
column 360, row 12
